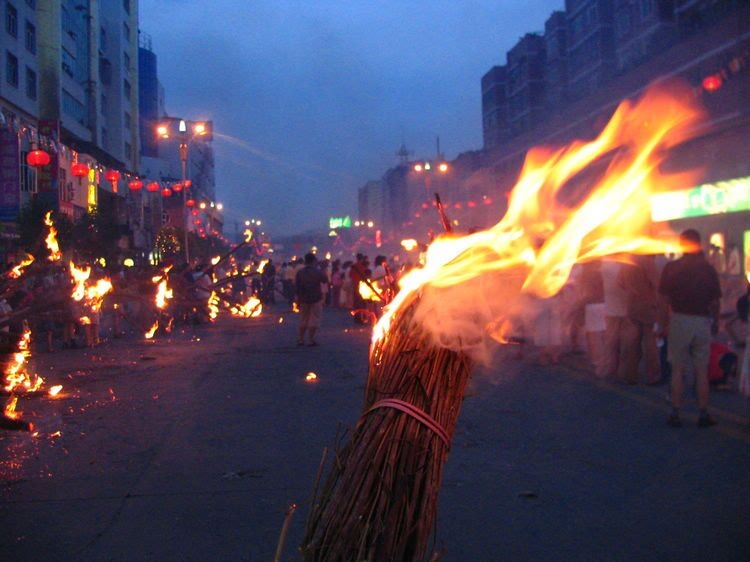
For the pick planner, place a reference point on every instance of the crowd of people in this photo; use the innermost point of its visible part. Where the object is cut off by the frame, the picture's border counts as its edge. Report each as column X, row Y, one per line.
column 639, row 318
column 653, row 320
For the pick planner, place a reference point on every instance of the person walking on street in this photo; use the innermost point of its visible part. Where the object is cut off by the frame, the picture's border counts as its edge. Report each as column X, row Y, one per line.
column 691, row 288
column 309, row 281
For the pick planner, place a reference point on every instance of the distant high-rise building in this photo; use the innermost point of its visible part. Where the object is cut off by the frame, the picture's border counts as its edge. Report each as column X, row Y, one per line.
column 70, row 83
column 525, row 82
column 89, row 76
column 591, row 45
column 494, row 107
column 556, row 65
column 642, row 29
column 150, row 97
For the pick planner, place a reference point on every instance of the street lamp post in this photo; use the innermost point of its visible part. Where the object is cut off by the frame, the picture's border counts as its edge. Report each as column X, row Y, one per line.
column 198, row 129
column 185, row 214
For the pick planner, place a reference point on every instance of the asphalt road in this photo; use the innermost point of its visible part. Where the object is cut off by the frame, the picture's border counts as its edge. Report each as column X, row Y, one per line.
column 192, row 448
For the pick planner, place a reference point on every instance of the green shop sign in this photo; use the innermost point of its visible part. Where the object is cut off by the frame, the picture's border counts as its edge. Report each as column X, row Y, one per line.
column 339, row 222
column 728, row 196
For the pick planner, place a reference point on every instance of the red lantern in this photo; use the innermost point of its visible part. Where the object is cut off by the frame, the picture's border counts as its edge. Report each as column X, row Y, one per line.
column 195, row 212
column 135, row 185
column 79, row 170
column 471, row 204
column 166, row 192
column 190, row 203
column 112, row 175
column 198, row 222
column 37, row 158
column 712, row 83
column 188, row 183
column 152, row 186
column 177, row 187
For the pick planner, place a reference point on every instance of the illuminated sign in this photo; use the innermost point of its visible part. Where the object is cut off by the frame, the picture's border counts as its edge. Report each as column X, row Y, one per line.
column 728, row 196
column 91, row 199
column 746, row 252
column 339, row 222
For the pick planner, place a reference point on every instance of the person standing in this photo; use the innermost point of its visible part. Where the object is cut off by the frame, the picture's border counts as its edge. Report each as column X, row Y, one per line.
column 309, row 281
column 691, row 288
column 615, row 320
column 639, row 280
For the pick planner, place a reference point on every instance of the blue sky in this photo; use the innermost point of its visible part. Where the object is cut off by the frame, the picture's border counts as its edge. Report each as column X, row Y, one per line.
column 311, row 99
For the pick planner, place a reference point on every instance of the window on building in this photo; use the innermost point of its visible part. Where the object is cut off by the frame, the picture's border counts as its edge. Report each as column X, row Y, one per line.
column 647, row 7
column 11, row 69
column 126, row 88
column 11, row 19
column 126, row 120
column 68, row 62
column 105, row 138
column 128, row 151
column 31, row 4
column 30, row 83
column 74, row 108
column 30, row 37
column 102, row 39
column 126, row 5
column 622, row 21
column 126, row 60
column 103, row 103
column 126, row 32
column 68, row 191
column 27, row 175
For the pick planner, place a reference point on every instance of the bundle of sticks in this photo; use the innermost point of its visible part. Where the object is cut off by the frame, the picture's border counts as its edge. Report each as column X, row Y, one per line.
column 380, row 498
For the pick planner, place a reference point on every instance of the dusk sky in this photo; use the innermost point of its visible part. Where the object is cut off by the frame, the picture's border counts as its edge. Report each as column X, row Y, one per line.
column 311, row 99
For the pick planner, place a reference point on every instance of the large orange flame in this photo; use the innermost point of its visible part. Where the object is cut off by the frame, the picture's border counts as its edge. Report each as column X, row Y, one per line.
column 51, row 240
column 550, row 226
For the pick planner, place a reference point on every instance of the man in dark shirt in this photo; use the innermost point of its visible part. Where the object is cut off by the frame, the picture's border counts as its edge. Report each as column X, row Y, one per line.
column 692, row 290
column 308, row 283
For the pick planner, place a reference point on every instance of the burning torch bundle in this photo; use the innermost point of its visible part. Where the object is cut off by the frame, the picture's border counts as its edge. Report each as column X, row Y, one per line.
column 379, row 500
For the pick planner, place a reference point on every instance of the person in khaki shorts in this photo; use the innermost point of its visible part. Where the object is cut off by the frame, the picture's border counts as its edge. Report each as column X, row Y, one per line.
column 309, row 281
column 691, row 287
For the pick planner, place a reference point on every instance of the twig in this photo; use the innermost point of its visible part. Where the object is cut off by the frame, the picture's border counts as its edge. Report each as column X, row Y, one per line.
column 284, row 531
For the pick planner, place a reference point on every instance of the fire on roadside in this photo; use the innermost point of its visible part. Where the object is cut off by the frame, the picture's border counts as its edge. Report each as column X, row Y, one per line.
column 213, row 306
column 409, row 244
column 91, row 295
column 17, row 270
column 10, row 409
column 367, row 292
column 251, row 309
column 17, row 376
column 51, row 239
column 151, row 331
column 557, row 217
